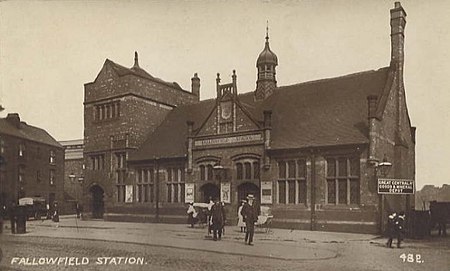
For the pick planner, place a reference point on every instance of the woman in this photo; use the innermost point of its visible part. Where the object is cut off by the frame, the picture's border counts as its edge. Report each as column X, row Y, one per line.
column 192, row 214
column 241, row 222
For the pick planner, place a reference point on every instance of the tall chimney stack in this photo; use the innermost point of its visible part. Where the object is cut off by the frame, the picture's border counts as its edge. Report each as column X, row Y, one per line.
column 398, row 23
column 195, row 85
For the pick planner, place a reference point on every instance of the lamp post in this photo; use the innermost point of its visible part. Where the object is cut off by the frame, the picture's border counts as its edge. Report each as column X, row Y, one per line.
column 382, row 170
column 219, row 171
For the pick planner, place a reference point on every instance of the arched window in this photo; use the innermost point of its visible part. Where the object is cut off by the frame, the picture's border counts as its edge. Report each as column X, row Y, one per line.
column 248, row 170
column 239, row 173
column 210, row 172
column 202, row 173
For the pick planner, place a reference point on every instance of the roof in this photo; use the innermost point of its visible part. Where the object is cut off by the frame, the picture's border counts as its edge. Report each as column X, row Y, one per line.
column 28, row 132
column 138, row 71
column 326, row 112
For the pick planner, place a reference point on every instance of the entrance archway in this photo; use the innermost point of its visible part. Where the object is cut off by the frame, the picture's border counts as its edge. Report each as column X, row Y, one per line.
column 209, row 190
column 98, row 205
column 247, row 188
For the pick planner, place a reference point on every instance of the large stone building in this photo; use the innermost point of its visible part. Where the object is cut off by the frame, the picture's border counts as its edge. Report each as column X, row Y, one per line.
column 309, row 151
column 32, row 162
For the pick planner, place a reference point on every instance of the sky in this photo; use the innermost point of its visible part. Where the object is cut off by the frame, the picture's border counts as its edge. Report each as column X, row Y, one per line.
column 50, row 49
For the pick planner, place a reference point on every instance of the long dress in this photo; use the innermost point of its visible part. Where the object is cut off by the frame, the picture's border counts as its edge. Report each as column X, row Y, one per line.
column 241, row 222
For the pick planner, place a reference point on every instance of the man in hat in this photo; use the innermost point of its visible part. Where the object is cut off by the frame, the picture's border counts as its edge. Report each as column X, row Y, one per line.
column 217, row 219
column 250, row 214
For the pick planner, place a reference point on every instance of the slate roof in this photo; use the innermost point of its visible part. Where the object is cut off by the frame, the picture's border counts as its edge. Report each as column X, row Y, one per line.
column 137, row 71
column 28, row 132
column 326, row 112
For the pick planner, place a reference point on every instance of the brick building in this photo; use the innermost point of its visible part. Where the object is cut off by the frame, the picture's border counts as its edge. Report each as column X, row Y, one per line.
column 73, row 173
column 309, row 151
column 121, row 108
column 32, row 162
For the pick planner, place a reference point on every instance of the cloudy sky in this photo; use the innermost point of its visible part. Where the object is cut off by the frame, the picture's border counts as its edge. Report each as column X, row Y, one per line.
column 50, row 49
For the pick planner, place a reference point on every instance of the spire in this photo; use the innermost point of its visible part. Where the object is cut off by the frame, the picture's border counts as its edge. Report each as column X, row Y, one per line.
column 267, row 33
column 136, row 60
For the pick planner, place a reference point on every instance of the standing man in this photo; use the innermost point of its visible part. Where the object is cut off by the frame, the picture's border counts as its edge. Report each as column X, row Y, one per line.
column 13, row 216
column 250, row 214
column 218, row 219
column 400, row 228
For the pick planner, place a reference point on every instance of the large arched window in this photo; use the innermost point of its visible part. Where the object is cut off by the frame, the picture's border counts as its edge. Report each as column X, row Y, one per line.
column 247, row 169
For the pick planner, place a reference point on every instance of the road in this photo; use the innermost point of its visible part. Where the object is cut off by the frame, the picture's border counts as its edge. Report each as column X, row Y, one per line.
column 327, row 251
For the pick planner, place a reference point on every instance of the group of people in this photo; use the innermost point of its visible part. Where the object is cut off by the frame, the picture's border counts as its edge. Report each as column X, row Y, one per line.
column 395, row 228
column 216, row 217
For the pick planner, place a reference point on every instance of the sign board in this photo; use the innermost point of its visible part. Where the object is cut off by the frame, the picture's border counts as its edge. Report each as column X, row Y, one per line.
column 128, row 193
column 227, row 140
column 225, row 195
column 189, row 193
column 266, row 192
column 395, row 186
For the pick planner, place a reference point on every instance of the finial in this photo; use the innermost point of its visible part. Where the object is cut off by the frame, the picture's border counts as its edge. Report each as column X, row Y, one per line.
column 136, row 60
column 218, row 78
column 267, row 31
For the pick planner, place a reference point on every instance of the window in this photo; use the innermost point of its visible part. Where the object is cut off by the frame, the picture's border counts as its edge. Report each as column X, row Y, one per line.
column 247, row 170
column 343, row 180
column 202, row 173
column 175, row 184
column 52, row 177
column 2, row 146
column 52, row 157
column 107, row 111
column 21, row 175
column 292, row 182
column 121, row 172
column 98, row 162
column 145, row 185
column 21, row 150
column 209, row 170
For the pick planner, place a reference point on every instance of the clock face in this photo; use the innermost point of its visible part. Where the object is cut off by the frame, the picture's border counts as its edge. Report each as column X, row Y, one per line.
column 226, row 110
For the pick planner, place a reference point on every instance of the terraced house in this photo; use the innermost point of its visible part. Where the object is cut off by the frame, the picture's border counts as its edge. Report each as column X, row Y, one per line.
column 309, row 151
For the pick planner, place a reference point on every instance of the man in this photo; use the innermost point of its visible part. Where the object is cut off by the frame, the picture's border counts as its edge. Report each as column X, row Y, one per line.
column 217, row 219
column 399, row 227
column 250, row 214
column 390, row 229
column 12, row 216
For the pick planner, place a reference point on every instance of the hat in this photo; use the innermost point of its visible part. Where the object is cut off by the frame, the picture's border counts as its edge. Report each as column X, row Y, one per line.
column 250, row 196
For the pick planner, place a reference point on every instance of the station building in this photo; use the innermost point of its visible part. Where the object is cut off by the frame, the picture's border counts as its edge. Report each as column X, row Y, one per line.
column 309, row 151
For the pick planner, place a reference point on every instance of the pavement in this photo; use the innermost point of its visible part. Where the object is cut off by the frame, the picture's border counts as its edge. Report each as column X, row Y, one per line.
column 276, row 243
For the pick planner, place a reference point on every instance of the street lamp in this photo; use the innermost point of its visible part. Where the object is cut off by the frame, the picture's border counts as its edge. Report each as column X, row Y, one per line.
column 224, row 191
column 381, row 170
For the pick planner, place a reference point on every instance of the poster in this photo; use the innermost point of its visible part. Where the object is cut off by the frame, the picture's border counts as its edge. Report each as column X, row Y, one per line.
column 225, row 192
column 189, row 193
column 266, row 192
column 129, row 193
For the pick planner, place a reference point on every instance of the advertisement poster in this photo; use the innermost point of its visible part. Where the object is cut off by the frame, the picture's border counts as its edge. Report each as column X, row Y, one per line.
column 225, row 189
column 128, row 193
column 189, row 193
column 266, row 192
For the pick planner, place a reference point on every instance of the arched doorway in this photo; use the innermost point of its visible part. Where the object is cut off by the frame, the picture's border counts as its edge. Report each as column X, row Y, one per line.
column 247, row 188
column 98, row 206
column 209, row 190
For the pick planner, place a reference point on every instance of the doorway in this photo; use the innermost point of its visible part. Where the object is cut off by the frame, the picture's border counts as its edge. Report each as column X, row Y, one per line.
column 247, row 188
column 209, row 190
column 98, row 205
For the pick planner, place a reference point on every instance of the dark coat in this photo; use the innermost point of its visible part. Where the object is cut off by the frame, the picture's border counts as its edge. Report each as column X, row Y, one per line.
column 250, row 213
column 217, row 216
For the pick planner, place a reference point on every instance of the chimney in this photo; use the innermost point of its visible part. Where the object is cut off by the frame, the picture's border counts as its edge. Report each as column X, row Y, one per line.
column 372, row 105
column 218, row 86
column 195, row 85
column 398, row 23
column 14, row 119
column 234, row 77
column 373, row 128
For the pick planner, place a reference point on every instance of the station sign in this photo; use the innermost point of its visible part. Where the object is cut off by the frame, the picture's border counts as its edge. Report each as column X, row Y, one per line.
column 395, row 186
column 228, row 140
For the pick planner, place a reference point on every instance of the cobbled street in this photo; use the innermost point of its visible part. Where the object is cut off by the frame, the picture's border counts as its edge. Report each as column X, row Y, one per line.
column 177, row 247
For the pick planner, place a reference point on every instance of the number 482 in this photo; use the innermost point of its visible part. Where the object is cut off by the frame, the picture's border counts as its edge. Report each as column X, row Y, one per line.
column 411, row 258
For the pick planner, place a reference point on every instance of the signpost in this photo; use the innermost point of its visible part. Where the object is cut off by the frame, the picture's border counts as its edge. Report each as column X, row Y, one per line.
column 395, row 186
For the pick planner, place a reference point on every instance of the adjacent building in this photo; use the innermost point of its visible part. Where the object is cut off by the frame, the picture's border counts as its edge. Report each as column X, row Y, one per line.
column 309, row 151
column 73, row 173
column 32, row 162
